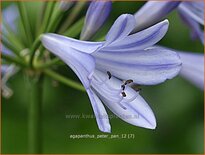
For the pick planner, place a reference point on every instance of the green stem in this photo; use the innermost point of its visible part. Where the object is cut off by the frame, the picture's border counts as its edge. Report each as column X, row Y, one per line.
column 75, row 29
column 55, row 61
column 73, row 15
column 55, row 19
column 11, row 47
column 25, row 21
column 47, row 16
column 35, row 106
column 64, row 80
column 12, row 38
column 40, row 17
column 34, row 47
column 15, row 60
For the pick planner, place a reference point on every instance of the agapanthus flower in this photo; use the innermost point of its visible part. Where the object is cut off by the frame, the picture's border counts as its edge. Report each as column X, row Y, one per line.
column 10, row 15
column 96, row 15
column 192, row 13
column 107, row 68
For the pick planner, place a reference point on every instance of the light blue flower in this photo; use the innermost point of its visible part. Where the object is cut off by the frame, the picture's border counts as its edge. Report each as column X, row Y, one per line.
column 153, row 12
column 103, row 67
column 192, row 14
column 96, row 15
column 9, row 17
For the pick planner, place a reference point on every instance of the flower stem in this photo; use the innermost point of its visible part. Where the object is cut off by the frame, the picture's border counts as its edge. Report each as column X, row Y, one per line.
column 54, row 61
column 47, row 16
column 15, row 60
column 73, row 15
column 12, row 38
column 34, row 47
column 35, row 104
column 11, row 47
column 64, row 80
column 25, row 21
column 75, row 29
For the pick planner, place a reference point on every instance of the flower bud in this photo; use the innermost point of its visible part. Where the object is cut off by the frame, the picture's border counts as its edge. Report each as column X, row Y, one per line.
column 153, row 12
column 97, row 14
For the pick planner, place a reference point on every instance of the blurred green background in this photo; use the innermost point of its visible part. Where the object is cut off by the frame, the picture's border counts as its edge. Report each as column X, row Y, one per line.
column 177, row 104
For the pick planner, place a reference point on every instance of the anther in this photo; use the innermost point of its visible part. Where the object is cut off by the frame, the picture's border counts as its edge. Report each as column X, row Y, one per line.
column 123, row 87
column 109, row 74
column 128, row 82
column 123, row 94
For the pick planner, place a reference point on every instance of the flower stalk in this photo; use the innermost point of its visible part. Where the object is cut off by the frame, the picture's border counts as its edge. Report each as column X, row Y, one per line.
column 64, row 80
column 25, row 21
column 75, row 12
column 34, row 112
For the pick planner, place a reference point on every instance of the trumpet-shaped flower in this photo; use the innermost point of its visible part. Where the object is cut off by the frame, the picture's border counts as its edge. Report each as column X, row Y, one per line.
column 106, row 68
column 96, row 15
column 192, row 13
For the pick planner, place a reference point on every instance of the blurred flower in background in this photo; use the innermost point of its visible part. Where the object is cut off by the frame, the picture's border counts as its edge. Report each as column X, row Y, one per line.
column 10, row 16
column 192, row 13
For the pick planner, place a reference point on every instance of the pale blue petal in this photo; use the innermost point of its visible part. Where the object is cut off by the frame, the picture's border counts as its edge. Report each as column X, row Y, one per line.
column 66, row 42
column 136, row 111
column 9, row 16
column 196, row 30
column 193, row 68
column 99, row 111
column 81, row 63
column 194, row 9
column 96, row 15
column 6, row 51
column 140, row 40
column 147, row 67
column 153, row 12
column 120, row 29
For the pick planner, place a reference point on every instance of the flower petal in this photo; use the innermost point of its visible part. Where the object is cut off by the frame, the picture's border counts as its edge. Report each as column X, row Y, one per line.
column 9, row 15
column 147, row 67
column 66, row 42
column 99, row 111
column 96, row 15
column 194, row 9
column 193, row 68
column 132, row 108
column 81, row 63
column 153, row 12
column 196, row 30
column 140, row 40
column 120, row 29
